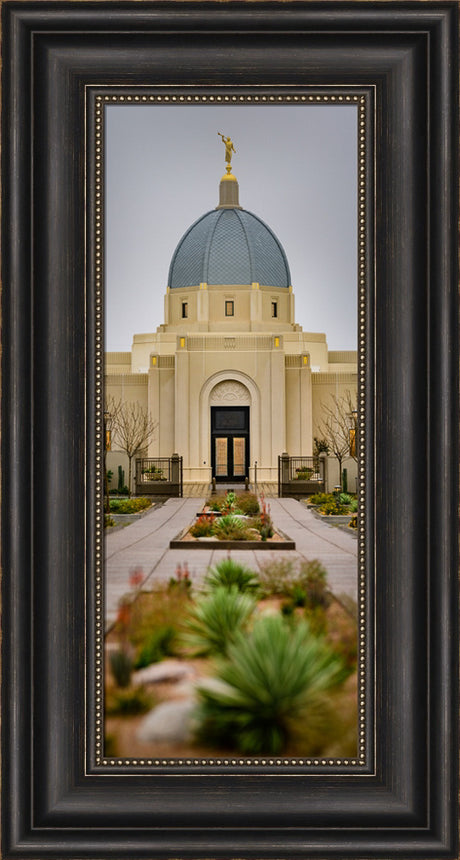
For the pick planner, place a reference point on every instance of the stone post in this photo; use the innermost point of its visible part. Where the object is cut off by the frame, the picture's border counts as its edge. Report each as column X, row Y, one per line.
column 285, row 477
column 175, row 473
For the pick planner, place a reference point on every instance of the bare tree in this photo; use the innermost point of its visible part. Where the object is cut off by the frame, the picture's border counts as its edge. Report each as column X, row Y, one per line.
column 131, row 428
column 338, row 427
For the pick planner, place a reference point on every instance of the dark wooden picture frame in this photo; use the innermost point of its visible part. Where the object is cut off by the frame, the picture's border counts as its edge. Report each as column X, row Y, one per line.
column 56, row 801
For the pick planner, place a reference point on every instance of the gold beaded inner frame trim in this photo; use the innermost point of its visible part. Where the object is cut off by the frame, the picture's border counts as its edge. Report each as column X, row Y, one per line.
column 364, row 99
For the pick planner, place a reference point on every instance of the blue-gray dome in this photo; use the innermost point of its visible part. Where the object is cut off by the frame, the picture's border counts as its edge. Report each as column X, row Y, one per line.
column 229, row 246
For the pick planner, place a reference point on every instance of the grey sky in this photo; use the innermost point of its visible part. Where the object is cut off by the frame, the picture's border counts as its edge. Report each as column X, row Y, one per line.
column 297, row 170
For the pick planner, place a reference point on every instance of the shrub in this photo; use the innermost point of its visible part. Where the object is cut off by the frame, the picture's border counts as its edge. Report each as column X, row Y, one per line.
column 121, row 665
column 128, row 702
column 353, row 506
column 229, row 527
column 159, row 645
column 353, row 524
column 312, row 579
column 345, row 498
column 248, row 504
column 229, row 573
column 129, row 506
column 304, row 474
column 267, row 689
column 216, row 503
column 215, row 620
column 333, row 508
column 152, row 611
column 109, row 521
column 321, row 498
column 276, row 575
column 203, row 527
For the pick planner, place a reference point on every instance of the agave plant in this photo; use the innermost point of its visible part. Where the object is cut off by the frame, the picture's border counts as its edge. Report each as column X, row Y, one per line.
column 268, row 687
column 216, row 619
column 228, row 573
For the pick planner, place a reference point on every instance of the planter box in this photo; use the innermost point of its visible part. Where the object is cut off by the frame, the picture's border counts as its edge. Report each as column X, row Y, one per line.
column 283, row 542
column 334, row 519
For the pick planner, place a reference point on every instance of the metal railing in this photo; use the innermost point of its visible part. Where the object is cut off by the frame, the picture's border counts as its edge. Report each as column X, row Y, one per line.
column 300, row 475
column 159, row 475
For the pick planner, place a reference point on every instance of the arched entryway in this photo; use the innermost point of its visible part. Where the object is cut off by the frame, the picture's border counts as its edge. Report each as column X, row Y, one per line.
column 229, row 403
column 230, row 443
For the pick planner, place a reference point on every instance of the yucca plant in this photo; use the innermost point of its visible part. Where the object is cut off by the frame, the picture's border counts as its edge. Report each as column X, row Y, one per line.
column 229, row 527
column 228, row 573
column 268, row 688
column 216, row 619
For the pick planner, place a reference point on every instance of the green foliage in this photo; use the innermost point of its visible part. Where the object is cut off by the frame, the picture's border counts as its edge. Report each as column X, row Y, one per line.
column 203, row 527
column 320, row 446
column 333, row 508
column 304, row 474
column 129, row 506
column 160, row 644
column 109, row 475
column 229, row 527
column 121, row 665
column 136, row 700
column 109, row 521
column 353, row 506
column 246, row 503
column 215, row 620
column 216, row 503
column 345, row 498
column 353, row 524
column 267, row 689
column 230, row 573
column 155, row 610
column 304, row 584
column 321, row 498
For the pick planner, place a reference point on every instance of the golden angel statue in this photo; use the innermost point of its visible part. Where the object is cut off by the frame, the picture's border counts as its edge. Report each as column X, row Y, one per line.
column 229, row 148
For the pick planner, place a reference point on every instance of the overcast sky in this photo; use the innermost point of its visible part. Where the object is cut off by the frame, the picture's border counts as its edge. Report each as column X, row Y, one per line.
column 297, row 170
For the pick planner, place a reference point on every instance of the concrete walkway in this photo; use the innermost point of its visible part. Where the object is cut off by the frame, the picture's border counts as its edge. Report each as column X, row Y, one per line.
column 145, row 544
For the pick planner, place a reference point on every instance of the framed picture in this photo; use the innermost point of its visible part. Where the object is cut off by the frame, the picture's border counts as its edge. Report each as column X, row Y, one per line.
column 64, row 793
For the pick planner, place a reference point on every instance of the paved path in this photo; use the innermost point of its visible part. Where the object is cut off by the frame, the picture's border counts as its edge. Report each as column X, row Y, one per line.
column 145, row 544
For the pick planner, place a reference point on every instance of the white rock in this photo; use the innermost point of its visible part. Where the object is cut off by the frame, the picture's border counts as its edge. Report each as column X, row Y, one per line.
column 166, row 670
column 170, row 721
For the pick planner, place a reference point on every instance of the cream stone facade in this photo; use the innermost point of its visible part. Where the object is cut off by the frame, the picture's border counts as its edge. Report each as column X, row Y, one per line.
column 230, row 362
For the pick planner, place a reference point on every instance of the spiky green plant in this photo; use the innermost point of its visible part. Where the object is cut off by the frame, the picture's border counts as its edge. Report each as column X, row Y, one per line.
column 228, row 573
column 229, row 527
column 268, row 688
column 216, row 619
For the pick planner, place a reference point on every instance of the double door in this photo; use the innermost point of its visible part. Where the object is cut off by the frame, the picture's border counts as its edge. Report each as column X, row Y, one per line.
column 230, row 443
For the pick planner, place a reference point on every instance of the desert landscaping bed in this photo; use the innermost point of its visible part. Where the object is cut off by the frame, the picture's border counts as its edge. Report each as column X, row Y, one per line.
column 233, row 521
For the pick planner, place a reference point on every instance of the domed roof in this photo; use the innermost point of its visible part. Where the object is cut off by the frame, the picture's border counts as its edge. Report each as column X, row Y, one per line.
column 229, row 246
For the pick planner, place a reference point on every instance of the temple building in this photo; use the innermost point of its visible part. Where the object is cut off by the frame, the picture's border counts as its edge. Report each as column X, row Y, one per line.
column 231, row 378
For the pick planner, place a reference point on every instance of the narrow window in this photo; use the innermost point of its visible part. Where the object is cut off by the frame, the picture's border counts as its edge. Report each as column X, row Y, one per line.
column 229, row 308
column 184, row 310
column 274, row 309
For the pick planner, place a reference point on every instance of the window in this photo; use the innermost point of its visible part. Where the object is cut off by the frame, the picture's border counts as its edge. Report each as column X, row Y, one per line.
column 184, row 310
column 229, row 308
column 274, row 309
